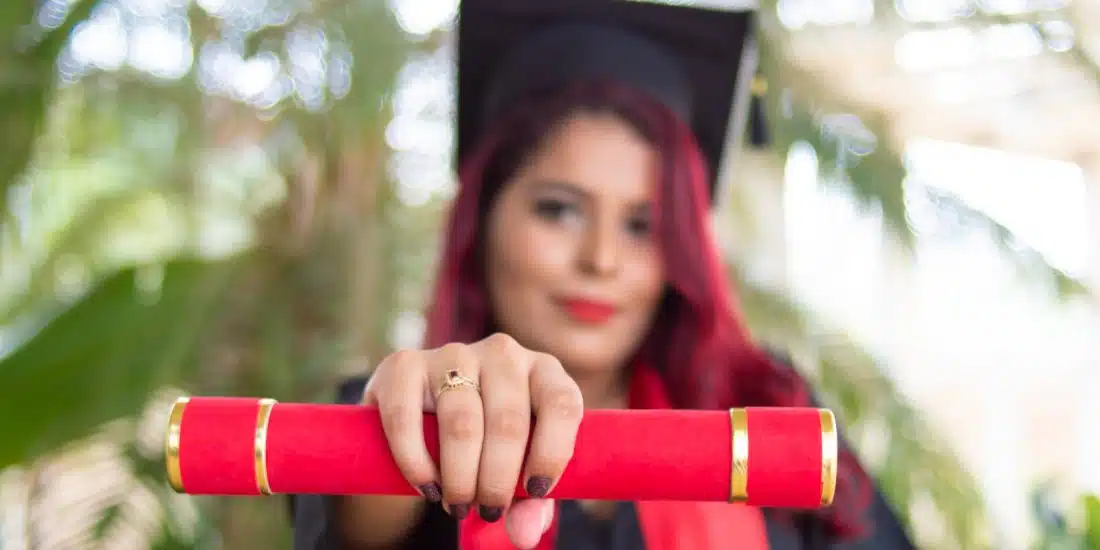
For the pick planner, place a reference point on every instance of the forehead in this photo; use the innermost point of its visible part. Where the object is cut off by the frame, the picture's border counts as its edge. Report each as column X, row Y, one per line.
column 601, row 155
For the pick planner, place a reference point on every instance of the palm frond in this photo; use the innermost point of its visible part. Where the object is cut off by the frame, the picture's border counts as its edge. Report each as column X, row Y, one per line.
column 108, row 490
column 911, row 464
column 861, row 153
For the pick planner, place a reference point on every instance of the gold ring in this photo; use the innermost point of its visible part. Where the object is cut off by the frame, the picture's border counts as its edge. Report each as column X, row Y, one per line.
column 454, row 381
column 259, row 445
column 739, row 469
column 172, row 445
column 828, row 456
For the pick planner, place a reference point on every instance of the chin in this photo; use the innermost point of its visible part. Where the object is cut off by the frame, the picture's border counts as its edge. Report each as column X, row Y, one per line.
column 587, row 350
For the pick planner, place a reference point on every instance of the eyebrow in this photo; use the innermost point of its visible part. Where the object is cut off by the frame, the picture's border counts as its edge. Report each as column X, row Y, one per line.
column 562, row 186
column 643, row 207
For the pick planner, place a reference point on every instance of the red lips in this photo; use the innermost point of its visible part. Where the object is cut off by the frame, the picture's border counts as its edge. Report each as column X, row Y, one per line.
column 588, row 311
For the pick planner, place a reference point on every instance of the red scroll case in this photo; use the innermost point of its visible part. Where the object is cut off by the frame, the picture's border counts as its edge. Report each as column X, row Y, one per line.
column 773, row 457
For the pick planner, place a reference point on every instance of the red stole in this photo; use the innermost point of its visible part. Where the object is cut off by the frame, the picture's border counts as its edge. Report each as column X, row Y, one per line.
column 665, row 525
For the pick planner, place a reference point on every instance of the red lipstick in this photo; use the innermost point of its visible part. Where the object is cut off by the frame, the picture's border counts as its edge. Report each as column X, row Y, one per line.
column 588, row 311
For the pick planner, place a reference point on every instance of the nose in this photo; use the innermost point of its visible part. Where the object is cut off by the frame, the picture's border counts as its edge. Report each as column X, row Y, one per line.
column 600, row 254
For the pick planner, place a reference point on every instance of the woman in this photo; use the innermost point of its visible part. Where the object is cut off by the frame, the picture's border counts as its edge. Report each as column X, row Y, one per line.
column 578, row 272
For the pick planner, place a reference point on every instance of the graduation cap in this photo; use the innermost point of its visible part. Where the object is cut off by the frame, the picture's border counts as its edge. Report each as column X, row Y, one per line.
column 687, row 58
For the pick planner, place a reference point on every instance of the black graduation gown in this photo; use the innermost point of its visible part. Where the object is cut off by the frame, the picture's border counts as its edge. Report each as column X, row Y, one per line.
column 313, row 529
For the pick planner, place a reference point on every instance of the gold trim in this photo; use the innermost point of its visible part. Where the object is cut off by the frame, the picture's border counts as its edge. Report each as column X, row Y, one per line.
column 739, row 469
column 172, row 444
column 259, row 445
column 828, row 456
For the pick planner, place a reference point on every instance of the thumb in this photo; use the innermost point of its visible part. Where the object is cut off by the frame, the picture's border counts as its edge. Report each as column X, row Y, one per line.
column 528, row 520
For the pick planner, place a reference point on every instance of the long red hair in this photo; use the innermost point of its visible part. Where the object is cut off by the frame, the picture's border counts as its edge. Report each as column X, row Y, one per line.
column 698, row 343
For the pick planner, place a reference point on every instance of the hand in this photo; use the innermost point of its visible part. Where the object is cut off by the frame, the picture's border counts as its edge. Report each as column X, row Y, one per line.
column 482, row 435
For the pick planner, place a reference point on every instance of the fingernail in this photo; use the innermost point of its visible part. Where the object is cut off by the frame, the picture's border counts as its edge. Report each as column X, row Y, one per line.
column 431, row 491
column 490, row 513
column 538, row 486
column 459, row 511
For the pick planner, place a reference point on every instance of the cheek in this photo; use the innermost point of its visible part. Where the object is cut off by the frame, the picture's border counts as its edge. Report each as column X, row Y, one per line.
column 646, row 278
column 529, row 257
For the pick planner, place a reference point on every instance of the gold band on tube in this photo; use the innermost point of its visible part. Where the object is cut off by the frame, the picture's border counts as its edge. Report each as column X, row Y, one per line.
column 739, row 469
column 259, row 445
column 828, row 456
column 172, row 444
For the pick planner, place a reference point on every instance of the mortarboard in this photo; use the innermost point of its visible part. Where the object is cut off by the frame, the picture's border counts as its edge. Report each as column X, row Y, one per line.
column 687, row 58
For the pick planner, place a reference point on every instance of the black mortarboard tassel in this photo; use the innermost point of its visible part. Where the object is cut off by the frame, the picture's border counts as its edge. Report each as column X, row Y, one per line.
column 687, row 58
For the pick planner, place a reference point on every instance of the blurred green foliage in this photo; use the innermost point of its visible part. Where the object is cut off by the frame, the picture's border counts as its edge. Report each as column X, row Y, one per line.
column 1077, row 528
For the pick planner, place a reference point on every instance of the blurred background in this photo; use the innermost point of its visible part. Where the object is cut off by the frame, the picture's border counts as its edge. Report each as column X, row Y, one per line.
column 245, row 198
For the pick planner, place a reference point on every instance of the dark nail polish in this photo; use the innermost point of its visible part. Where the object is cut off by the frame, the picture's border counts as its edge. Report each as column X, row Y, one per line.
column 431, row 491
column 538, row 486
column 459, row 511
column 490, row 513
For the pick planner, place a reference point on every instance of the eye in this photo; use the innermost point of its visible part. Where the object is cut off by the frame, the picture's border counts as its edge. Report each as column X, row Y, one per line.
column 554, row 209
column 639, row 226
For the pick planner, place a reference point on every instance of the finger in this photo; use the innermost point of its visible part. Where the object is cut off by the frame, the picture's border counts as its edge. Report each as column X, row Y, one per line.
column 507, row 404
column 558, row 408
column 397, row 390
column 461, row 426
column 528, row 521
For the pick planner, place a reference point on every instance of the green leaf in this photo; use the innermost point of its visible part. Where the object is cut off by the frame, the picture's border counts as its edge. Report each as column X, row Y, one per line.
column 30, row 72
column 1092, row 521
column 100, row 359
column 107, row 519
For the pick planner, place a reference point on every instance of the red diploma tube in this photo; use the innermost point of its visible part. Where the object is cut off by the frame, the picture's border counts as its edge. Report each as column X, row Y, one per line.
column 774, row 457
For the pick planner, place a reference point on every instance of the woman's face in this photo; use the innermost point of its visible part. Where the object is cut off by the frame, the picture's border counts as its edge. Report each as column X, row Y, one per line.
column 573, row 266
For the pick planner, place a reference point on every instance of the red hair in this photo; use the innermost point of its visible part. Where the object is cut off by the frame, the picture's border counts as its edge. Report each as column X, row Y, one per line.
column 698, row 343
